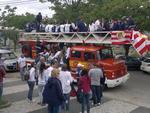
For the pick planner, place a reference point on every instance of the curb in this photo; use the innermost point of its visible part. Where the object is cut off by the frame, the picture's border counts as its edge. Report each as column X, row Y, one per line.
column 7, row 104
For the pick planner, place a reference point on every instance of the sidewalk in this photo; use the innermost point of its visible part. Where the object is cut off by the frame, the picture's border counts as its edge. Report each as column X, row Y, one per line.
column 15, row 91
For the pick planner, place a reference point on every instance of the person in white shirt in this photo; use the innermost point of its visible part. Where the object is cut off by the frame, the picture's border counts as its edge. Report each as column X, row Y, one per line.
column 42, row 80
column 97, row 25
column 22, row 66
column 31, row 83
column 68, row 56
column 92, row 27
column 50, row 68
column 67, row 28
column 66, row 80
column 62, row 28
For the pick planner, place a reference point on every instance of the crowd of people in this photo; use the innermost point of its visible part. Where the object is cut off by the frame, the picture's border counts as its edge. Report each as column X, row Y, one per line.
column 56, row 84
column 102, row 24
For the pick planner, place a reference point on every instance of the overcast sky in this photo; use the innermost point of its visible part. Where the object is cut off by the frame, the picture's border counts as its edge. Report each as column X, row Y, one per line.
column 31, row 6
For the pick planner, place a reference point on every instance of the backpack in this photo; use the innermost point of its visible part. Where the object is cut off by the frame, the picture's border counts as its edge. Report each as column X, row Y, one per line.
column 26, row 74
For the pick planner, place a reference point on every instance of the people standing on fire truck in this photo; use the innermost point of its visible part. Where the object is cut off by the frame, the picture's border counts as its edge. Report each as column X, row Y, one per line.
column 22, row 65
column 38, row 21
column 96, row 73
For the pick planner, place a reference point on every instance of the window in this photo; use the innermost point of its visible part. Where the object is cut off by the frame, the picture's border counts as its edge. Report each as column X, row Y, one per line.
column 106, row 53
column 8, row 56
column 76, row 54
column 89, row 56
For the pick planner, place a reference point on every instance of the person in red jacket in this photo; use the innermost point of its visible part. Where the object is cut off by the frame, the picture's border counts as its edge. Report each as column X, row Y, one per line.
column 85, row 87
column 2, row 75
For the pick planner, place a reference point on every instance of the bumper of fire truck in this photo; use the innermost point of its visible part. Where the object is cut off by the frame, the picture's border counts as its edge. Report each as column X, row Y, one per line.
column 117, row 82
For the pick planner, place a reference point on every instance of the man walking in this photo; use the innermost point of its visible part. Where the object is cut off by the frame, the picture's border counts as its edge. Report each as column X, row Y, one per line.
column 95, row 73
column 22, row 65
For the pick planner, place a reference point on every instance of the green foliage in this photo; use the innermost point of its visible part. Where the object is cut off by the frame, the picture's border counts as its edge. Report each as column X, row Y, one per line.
column 19, row 21
column 12, row 35
column 113, row 9
column 9, row 19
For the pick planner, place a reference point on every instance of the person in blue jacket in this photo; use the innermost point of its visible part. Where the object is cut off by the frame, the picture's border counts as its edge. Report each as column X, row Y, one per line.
column 53, row 94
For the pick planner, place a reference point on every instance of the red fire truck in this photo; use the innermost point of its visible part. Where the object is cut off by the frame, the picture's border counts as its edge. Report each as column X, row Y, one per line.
column 91, row 48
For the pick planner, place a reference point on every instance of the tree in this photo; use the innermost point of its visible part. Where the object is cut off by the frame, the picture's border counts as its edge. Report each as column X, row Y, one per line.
column 6, row 14
column 12, row 35
column 19, row 21
column 90, row 10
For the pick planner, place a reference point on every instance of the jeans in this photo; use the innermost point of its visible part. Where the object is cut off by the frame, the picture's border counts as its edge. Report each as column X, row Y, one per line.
column 97, row 94
column 1, row 89
column 86, row 102
column 22, row 70
column 31, row 87
column 53, row 109
column 66, row 102
column 40, row 91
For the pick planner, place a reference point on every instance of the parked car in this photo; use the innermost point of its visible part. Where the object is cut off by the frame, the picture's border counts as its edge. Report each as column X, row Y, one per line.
column 133, row 63
column 146, row 65
column 9, row 59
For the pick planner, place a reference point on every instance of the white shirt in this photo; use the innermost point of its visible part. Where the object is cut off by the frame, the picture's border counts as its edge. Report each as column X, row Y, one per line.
column 48, row 28
column 32, row 74
column 68, row 52
column 92, row 27
column 57, row 54
column 49, row 70
column 43, row 79
column 62, row 28
column 66, row 79
column 67, row 28
column 97, row 24
column 22, row 62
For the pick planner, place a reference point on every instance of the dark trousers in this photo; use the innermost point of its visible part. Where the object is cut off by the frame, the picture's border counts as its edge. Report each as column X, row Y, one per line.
column 66, row 102
column 31, row 87
column 1, row 89
column 53, row 109
column 97, row 94
column 86, row 102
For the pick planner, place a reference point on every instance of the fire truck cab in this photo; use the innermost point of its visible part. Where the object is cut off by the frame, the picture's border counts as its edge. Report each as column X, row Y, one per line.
column 115, row 70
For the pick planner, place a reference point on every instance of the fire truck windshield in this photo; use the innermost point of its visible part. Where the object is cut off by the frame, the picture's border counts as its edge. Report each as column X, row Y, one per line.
column 104, row 53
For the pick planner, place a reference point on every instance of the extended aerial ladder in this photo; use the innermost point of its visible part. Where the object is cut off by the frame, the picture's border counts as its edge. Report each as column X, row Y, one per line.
column 102, row 37
column 71, row 37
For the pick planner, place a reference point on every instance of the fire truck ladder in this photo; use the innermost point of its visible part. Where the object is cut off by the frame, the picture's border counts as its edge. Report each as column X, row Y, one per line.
column 71, row 37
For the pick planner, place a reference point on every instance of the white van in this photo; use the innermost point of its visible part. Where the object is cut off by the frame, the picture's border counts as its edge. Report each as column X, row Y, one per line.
column 9, row 60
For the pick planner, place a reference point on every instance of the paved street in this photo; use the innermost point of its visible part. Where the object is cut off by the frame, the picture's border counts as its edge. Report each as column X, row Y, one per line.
column 132, row 97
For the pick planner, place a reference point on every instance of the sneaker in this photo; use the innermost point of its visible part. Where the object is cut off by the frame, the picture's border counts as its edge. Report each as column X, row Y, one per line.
column 92, row 104
column 28, row 100
column 98, row 104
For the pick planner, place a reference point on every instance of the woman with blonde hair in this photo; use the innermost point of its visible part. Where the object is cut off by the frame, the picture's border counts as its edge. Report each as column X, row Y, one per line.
column 53, row 93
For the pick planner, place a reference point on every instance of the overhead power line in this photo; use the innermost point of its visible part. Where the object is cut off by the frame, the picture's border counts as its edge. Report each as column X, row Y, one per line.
column 18, row 2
